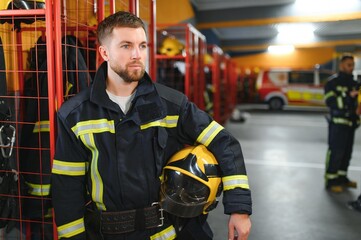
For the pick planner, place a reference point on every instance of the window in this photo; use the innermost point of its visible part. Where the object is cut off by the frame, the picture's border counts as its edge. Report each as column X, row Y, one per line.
column 298, row 77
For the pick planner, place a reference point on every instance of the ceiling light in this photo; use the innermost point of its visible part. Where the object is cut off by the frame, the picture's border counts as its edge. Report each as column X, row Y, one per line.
column 293, row 33
column 281, row 49
column 325, row 6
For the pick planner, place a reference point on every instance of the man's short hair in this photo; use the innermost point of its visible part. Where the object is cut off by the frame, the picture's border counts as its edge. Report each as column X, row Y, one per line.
column 118, row 19
column 345, row 57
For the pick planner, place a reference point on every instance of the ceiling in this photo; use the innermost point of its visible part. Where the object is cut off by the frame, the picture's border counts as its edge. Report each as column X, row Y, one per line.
column 246, row 26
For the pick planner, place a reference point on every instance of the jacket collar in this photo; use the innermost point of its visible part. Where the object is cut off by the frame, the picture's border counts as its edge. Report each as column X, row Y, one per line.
column 345, row 75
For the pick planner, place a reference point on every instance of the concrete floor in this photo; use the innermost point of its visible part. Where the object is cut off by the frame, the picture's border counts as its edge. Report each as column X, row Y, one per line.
column 285, row 155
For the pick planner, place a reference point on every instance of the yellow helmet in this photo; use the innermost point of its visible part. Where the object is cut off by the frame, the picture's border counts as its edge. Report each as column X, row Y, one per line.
column 208, row 59
column 191, row 182
column 21, row 4
column 171, row 47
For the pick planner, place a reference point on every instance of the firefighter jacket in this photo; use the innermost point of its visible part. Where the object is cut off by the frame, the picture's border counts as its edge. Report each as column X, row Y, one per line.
column 34, row 154
column 118, row 158
column 337, row 96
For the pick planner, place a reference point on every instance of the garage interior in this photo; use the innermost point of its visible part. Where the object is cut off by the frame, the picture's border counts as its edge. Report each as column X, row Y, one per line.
column 284, row 150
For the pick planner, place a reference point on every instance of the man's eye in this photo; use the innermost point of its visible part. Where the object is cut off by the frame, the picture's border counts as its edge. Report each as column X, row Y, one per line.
column 125, row 46
column 144, row 46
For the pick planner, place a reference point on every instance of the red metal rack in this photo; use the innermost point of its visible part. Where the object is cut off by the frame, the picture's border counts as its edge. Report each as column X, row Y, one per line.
column 50, row 55
column 221, row 84
column 184, row 71
column 16, row 71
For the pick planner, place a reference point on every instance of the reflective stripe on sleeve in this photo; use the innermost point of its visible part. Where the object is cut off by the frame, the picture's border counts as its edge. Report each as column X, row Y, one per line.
column 167, row 234
column 209, row 133
column 329, row 94
column 71, row 229
column 69, row 168
column 38, row 189
column 41, row 126
column 231, row 182
column 167, row 122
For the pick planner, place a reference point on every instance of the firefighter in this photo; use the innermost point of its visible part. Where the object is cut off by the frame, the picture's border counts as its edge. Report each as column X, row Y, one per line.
column 341, row 98
column 114, row 140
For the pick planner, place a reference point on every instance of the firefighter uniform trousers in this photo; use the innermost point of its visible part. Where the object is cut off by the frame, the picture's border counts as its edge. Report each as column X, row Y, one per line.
column 340, row 140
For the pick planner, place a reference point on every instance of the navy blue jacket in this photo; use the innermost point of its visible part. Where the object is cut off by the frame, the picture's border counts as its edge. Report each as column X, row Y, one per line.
column 118, row 158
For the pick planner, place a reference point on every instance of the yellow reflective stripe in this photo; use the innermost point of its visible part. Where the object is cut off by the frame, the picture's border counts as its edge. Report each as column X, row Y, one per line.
column 231, row 182
column 168, row 122
column 329, row 94
column 49, row 214
column 331, row 176
column 71, row 229
column 339, row 102
column 69, row 168
column 343, row 121
column 93, row 126
column 41, row 126
column 209, row 133
column 167, row 234
column 68, row 87
column 38, row 189
column 341, row 173
column 341, row 89
column 97, row 182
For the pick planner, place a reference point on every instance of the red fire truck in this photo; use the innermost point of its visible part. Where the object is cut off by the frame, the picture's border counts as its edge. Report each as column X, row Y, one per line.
column 280, row 87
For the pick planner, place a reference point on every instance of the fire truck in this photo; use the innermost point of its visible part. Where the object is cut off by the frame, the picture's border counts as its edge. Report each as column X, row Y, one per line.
column 281, row 87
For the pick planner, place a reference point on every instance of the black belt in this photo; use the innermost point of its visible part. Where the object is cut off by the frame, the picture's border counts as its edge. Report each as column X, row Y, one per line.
column 131, row 220
column 343, row 113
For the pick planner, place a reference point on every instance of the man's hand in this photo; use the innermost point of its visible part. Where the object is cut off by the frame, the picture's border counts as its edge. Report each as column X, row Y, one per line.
column 240, row 223
column 353, row 93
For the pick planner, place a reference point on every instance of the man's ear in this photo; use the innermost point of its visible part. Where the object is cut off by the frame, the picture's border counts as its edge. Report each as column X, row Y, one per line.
column 103, row 50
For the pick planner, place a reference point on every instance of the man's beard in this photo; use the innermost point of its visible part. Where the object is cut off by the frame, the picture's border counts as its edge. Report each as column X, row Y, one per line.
column 129, row 76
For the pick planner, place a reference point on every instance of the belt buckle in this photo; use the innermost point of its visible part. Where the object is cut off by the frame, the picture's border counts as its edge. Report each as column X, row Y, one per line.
column 161, row 213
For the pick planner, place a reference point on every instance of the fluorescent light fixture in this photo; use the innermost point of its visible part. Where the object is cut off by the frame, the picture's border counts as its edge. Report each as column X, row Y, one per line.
column 325, row 6
column 293, row 33
column 281, row 49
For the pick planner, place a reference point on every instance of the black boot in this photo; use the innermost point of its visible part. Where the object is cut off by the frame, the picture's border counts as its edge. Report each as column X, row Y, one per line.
column 355, row 205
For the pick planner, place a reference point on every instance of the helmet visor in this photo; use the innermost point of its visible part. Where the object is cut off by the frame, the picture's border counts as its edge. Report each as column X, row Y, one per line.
column 184, row 189
column 182, row 195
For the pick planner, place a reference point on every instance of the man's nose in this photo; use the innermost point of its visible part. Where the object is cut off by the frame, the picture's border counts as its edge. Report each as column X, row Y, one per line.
column 136, row 52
